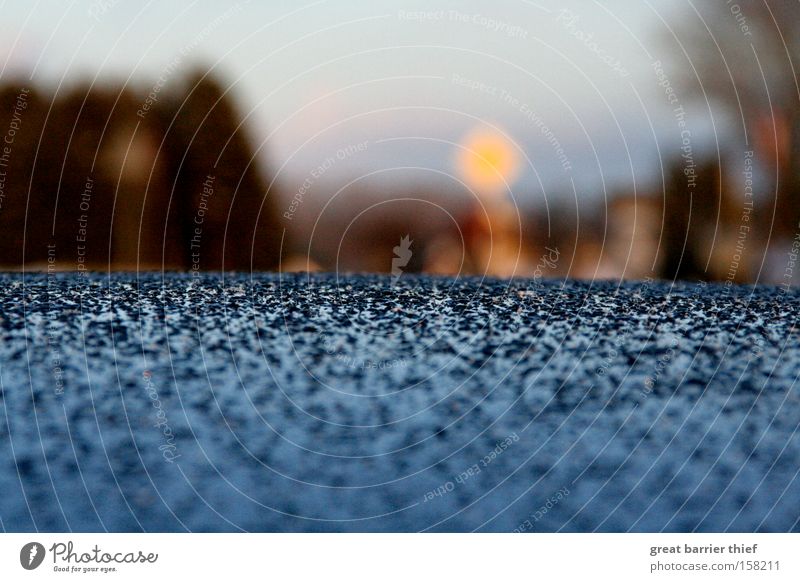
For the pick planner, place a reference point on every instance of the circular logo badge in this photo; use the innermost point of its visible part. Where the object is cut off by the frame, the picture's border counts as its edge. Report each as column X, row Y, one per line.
column 31, row 555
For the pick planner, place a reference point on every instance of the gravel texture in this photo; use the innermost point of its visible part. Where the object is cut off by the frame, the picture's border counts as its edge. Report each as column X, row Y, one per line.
column 353, row 403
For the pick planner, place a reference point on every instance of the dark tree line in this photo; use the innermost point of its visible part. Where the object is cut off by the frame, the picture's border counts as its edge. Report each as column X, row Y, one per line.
column 741, row 64
column 101, row 178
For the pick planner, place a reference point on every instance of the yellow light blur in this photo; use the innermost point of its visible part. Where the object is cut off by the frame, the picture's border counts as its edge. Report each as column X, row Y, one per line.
column 488, row 161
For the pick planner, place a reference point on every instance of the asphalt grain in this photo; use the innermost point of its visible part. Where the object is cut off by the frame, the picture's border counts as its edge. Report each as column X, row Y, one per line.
column 170, row 402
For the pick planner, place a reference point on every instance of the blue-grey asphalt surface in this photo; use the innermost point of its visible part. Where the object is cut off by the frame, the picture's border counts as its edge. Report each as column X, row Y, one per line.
column 295, row 403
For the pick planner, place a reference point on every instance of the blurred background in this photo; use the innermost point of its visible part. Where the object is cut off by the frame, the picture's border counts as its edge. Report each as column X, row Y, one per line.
column 592, row 140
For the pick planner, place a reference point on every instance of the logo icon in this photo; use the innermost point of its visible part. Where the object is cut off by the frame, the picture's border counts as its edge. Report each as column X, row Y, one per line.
column 402, row 254
column 31, row 555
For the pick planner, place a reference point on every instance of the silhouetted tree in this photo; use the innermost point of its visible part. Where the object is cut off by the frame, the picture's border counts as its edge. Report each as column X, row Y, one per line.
column 97, row 180
column 16, row 165
column 743, row 57
column 690, row 219
column 221, row 207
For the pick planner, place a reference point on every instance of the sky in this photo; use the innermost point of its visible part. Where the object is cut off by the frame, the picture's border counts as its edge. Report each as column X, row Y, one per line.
column 389, row 90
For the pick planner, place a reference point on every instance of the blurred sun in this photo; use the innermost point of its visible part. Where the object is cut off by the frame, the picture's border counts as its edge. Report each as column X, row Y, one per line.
column 488, row 161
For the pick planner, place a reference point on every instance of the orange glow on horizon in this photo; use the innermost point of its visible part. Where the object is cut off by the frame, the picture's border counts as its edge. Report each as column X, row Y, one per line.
column 488, row 161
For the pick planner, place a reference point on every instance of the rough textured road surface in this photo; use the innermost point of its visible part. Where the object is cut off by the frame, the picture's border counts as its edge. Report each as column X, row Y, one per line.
column 287, row 403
